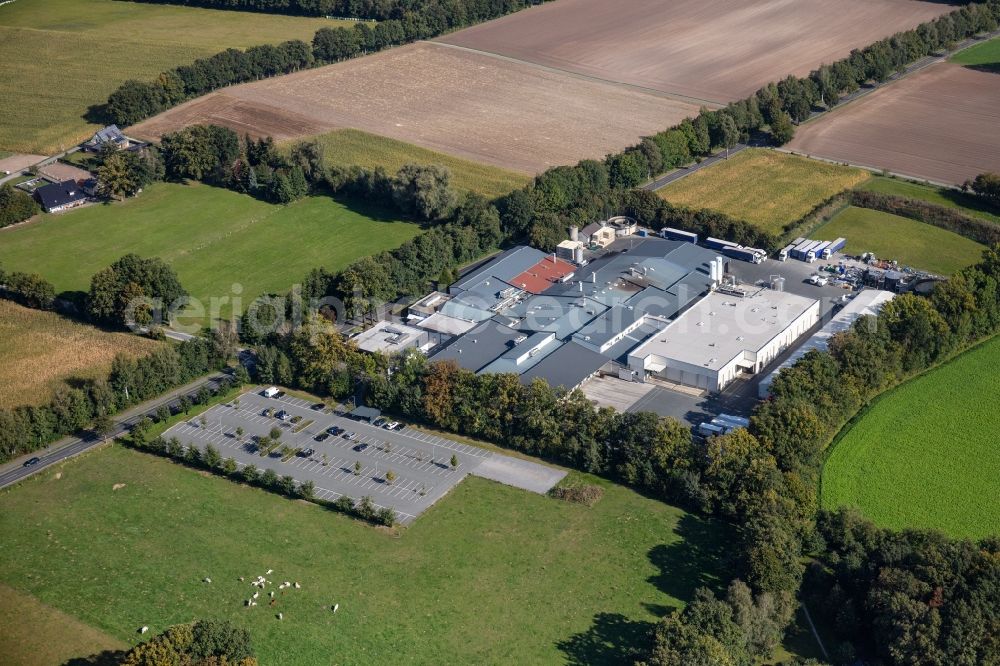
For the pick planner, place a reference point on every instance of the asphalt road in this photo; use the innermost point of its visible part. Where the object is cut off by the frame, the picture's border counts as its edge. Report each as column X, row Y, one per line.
column 71, row 446
column 683, row 172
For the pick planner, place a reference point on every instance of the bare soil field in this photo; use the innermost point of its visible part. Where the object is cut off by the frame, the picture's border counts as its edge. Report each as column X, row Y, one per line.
column 60, row 171
column 19, row 162
column 712, row 50
column 476, row 106
column 939, row 124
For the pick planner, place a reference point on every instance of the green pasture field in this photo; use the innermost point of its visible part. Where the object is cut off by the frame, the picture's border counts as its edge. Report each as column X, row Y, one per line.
column 764, row 187
column 985, row 55
column 490, row 575
column 60, row 57
column 213, row 237
column 353, row 147
column 907, row 241
column 942, row 196
column 926, row 454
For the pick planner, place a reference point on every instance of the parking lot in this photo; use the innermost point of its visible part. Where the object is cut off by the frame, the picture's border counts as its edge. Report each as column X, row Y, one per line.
column 419, row 460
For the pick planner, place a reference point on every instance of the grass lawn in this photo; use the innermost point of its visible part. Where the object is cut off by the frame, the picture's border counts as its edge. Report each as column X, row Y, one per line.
column 492, row 574
column 907, row 241
column 352, row 147
column 926, row 454
column 985, row 55
column 942, row 196
column 42, row 349
column 764, row 187
column 62, row 56
column 213, row 237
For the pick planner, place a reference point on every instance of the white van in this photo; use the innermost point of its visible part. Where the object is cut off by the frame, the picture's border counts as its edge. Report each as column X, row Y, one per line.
column 270, row 392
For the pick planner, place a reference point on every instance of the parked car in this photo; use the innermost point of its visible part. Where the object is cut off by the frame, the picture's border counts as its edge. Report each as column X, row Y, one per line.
column 360, row 447
column 379, row 422
column 32, row 461
column 318, row 407
column 322, row 437
column 279, row 394
column 283, row 415
column 819, row 280
column 392, row 425
column 350, row 435
column 334, row 430
column 305, row 453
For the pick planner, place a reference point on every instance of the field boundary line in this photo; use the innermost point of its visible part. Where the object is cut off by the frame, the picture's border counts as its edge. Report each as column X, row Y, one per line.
column 677, row 97
column 867, row 167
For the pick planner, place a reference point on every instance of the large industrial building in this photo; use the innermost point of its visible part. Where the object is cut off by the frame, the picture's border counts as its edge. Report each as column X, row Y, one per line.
column 866, row 303
column 633, row 310
column 723, row 336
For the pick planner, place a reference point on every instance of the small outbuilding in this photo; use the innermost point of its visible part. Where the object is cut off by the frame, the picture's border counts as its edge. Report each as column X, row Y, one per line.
column 363, row 413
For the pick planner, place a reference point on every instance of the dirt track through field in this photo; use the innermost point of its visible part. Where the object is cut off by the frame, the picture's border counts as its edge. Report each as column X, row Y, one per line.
column 514, row 115
column 940, row 124
column 717, row 50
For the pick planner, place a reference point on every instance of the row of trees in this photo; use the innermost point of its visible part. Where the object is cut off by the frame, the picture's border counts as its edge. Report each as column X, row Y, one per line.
column 464, row 11
column 130, row 381
column 399, row 23
column 210, row 459
column 15, row 205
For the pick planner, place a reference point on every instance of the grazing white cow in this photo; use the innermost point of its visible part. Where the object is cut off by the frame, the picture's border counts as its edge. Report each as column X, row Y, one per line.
column 143, row 630
column 241, row 579
column 271, row 593
column 335, row 607
column 297, row 586
column 256, row 594
column 281, row 616
column 208, row 580
column 269, row 572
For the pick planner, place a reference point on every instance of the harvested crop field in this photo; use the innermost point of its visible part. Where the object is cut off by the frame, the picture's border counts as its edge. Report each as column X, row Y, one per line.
column 939, row 124
column 42, row 349
column 475, row 106
column 711, row 50
column 764, row 187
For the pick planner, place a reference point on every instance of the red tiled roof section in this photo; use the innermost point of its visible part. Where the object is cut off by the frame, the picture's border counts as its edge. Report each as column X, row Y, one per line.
column 540, row 277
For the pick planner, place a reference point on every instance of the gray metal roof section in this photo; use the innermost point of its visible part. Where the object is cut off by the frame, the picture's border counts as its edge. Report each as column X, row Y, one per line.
column 479, row 347
column 505, row 266
column 567, row 366
column 562, row 315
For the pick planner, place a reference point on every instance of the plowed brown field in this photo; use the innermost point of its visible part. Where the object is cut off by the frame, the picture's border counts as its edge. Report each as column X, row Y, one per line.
column 940, row 124
column 715, row 50
column 514, row 115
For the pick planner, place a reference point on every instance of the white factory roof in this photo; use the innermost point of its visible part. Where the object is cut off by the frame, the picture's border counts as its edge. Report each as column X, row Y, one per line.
column 442, row 323
column 721, row 326
column 386, row 336
column 867, row 302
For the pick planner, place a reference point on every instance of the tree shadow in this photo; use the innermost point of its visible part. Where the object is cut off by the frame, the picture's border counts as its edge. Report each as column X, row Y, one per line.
column 989, row 68
column 103, row 658
column 97, row 114
column 611, row 639
column 696, row 560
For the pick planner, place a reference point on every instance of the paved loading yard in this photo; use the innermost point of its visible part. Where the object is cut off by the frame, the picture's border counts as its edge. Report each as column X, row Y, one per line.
column 419, row 460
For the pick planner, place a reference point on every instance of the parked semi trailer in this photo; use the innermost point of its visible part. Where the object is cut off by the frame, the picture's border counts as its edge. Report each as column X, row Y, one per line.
column 719, row 244
column 679, row 235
